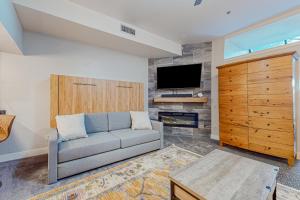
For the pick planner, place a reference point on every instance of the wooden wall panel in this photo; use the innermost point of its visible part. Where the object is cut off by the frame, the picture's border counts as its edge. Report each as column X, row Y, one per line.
column 77, row 95
column 72, row 95
column 53, row 99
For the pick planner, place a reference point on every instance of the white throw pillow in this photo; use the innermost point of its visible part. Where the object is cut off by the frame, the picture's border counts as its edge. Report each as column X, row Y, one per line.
column 71, row 127
column 140, row 121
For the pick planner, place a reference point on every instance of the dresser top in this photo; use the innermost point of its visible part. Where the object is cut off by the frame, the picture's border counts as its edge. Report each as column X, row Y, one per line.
column 223, row 175
column 292, row 53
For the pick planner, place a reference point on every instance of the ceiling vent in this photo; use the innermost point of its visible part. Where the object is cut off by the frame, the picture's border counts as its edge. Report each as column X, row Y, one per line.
column 127, row 29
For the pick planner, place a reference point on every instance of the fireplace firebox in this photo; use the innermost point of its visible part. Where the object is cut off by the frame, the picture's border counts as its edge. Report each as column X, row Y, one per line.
column 179, row 119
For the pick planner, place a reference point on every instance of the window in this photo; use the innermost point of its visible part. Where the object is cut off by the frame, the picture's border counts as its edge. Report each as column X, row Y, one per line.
column 282, row 32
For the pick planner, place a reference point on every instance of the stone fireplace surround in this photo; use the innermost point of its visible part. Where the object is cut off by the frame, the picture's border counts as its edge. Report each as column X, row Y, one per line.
column 192, row 54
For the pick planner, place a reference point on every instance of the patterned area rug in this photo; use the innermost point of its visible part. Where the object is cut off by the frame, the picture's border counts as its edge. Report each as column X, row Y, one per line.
column 144, row 178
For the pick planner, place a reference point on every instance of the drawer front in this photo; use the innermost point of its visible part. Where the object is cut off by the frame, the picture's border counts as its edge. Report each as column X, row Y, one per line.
column 234, row 120
column 282, row 88
column 233, row 80
column 237, row 99
column 233, row 90
column 234, row 135
column 270, row 100
column 182, row 194
column 271, row 124
column 286, row 138
column 270, row 64
column 271, row 76
column 234, row 110
column 274, row 149
column 271, row 112
column 233, row 70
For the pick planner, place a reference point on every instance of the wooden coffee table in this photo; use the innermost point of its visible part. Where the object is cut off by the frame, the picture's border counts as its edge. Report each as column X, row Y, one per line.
column 223, row 176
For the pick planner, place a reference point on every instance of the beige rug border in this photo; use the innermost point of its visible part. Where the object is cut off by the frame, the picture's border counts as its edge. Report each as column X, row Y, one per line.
column 88, row 178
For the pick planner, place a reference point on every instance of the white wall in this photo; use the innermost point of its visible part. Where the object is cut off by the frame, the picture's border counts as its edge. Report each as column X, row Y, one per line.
column 10, row 22
column 24, row 82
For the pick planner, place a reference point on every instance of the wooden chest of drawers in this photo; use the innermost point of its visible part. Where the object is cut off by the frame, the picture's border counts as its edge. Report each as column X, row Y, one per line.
column 256, row 108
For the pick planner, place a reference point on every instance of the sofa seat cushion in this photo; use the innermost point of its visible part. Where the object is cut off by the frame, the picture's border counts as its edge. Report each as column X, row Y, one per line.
column 131, row 137
column 94, row 144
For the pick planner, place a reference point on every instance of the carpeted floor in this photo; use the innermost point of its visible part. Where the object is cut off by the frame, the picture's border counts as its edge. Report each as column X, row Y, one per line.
column 144, row 178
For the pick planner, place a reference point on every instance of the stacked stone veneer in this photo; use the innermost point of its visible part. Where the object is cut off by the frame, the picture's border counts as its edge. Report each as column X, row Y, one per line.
column 192, row 54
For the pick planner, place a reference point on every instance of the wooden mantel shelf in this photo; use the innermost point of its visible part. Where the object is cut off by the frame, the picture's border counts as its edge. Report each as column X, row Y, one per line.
column 181, row 100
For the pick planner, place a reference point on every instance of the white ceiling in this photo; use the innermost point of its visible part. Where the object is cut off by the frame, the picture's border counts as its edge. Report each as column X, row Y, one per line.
column 61, row 18
column 181, row 22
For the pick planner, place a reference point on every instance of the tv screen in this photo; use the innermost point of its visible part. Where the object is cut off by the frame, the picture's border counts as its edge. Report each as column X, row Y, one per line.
column 184, row 76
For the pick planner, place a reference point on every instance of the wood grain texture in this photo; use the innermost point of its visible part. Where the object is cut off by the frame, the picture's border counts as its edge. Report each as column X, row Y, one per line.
column 271, row 124
column 271, row 100
column 271, row 148
column 234, row 135
column 271, row 112
column 280, row 137
column 270, row 64
column 238, row 120
column 271, row 76
column 226, row 175
column 234, row 70
column 264, row 104
column 233, row 99
column 240, row 79
column 182, row 194
column 54, row 99
column 181, row 100
column 292, row 54
column 232, row 90
column 72, row 95
column 6, row 122
column 278, row 88
column 236, row 110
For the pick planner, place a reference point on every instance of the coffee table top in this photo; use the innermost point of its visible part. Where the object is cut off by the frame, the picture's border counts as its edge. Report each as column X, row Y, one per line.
column 223, row 175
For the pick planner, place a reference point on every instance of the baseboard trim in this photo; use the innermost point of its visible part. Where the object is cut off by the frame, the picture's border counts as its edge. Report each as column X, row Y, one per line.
column 298, row 155
column 214, row 137
column 23, row 154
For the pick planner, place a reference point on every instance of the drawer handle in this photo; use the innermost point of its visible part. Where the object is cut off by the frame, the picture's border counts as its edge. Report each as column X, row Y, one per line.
column 269, row 148
column 230, row 110
column 268, row 112
column 268, row 124
column 267, row 76
column 268, row 100
column 267, row 65
column 269, row 136
column 268, row 89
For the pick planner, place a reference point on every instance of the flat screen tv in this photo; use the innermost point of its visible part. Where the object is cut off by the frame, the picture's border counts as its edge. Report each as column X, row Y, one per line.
column 184, row 76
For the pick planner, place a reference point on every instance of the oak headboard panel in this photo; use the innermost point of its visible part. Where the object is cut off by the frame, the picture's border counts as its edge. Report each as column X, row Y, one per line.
column 72, row 95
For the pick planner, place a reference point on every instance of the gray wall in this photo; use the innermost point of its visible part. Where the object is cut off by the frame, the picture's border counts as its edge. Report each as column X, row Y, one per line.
column 192, row 53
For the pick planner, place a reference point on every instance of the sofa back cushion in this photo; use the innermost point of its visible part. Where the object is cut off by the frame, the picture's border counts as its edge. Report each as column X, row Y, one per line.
column 96, row 122
column 119, row 120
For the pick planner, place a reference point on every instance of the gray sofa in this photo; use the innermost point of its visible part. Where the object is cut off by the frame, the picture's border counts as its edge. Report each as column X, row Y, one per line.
column 111, row 139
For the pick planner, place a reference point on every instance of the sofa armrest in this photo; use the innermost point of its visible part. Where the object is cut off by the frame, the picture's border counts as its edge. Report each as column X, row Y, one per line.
column 159, row 126
column 52, row 156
